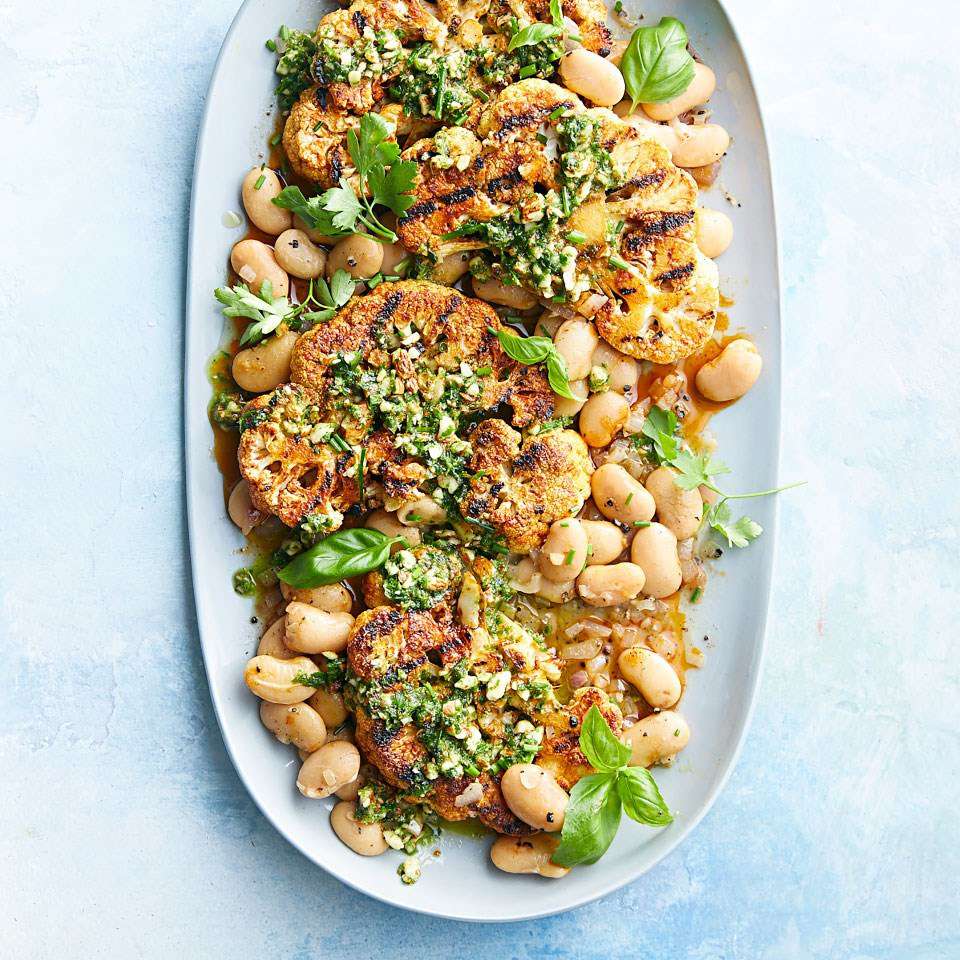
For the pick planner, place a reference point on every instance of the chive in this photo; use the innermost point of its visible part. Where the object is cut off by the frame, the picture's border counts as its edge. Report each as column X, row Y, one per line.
column 626, row 502
column 542, row 137
column 284, row 32
column 640, row 523
column 317, row 126
column 261, row 180
column 568, row 559
column 618, row 7
column 559, row 298
column 275, row 139
column 618, row 262
column 361, row 468
column 576, row 237
column 338, row 443
column 695, row 595
column 272, row 46
column 481, row 96
column 528, row 71
column 483, row 371
column 558, row 113
column 441, row 90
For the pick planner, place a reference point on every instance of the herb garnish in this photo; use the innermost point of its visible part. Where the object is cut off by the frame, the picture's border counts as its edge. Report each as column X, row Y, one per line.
column 267, row 311
column 596, row 802
column 662, row 445
column 346, row 553
column 531, row 350
column 656, row 65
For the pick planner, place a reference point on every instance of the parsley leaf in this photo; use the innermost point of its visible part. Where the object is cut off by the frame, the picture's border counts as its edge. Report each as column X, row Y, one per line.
column 694, row 469
column 659, row 435
column 311, row 211
column 392, row 187
column 738, row 533
column 342, row 202
column 266, row 311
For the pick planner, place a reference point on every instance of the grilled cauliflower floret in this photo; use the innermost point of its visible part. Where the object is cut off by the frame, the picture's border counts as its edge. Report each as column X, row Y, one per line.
column 666, row 304
column 518, row 111
column 286, row 459
column 520, row 486
column 590, row 16
column 445, row 330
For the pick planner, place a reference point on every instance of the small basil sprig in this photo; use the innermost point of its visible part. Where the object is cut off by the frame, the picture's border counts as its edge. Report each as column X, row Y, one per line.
column 531, row 350
column 347, row 553
column 656, row 65
column 537, row 32
column 596, row 802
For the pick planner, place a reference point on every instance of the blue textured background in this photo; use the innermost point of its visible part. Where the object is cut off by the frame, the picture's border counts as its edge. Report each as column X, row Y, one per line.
column 125, row 832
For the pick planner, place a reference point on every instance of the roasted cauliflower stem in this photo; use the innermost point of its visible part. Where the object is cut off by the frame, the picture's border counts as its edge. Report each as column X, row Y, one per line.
column 537, row 166
column 520, row 486
column 286, row 459
column 442, row 710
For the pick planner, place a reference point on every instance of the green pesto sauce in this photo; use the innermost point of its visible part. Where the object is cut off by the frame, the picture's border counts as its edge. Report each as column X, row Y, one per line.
column 418, row 579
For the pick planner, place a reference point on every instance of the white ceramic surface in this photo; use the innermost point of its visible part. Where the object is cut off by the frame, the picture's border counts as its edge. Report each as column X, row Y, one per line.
column 719, row 699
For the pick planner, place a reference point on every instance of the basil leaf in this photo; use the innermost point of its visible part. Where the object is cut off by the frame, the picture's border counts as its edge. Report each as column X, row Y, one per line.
column 590, row 822
column 535, row 33
column 656, row 66
column 524, row 349
column 346, row 553
column 641, row 797
column 557, row 376
column 599, row 745
column 556, row 13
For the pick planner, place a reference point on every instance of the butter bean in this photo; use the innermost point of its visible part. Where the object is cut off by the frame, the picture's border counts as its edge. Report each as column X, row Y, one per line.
column 592, row 77
column 533, row 795
column 679, row 510
column 254, row 262
column 610, row 585
column 329, row 704
column 507, row 295
column 575, row 341
column 363, row 838
column 331, row 767
column 528, row 855
column 564, row 406
column 730, row 375
column 272, row 679
column 360, row 255
column 264, row 367
column 311, row 630
column 653, row 676
column 272, row 645
column 332, row 597
column 700, row 144
column 387, row 523
column 714, row 231
column 657, row 738
column 699, row 92
column 299, row 256
column 564, row 552
column 654, row 549
column 296, row 723
column 603, row 416
column 241, row 510
column 606, row 541
column 258, row 202
column 619, row 496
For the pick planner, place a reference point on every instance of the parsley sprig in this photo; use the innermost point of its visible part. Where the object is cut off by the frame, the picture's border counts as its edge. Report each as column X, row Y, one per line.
column 592, row 817
column 660, row 440
column 385, row 180
column 268, row 312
